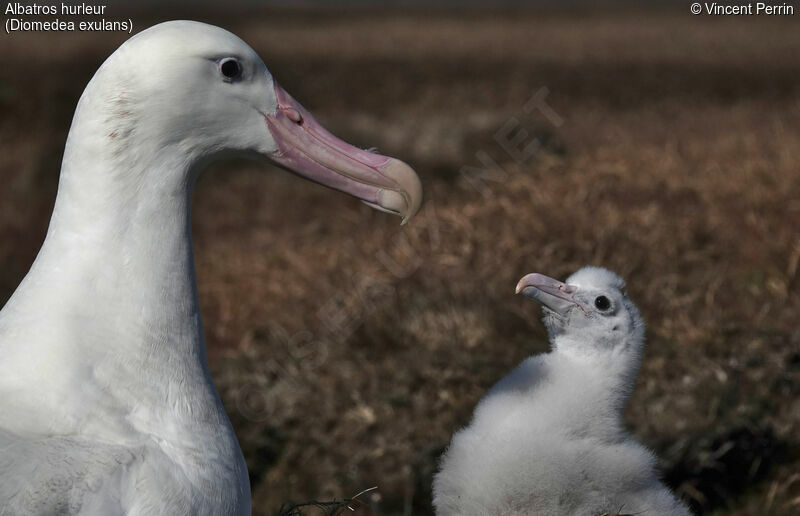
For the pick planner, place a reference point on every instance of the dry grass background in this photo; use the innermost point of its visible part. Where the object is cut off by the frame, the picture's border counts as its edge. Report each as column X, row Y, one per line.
column 347, row 350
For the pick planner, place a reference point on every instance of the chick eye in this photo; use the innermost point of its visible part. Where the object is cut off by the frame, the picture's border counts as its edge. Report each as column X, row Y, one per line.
column 602, row 303
column 230, row 68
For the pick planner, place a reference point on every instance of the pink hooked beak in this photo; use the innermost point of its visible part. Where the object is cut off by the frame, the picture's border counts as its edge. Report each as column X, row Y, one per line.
column 309, row 150
column 555, row 295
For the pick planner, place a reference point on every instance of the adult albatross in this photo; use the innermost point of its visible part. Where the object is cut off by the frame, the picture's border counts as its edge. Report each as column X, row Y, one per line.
column 106, row 402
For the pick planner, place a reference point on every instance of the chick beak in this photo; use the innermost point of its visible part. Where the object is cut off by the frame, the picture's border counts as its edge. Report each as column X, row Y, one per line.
column 550, row 293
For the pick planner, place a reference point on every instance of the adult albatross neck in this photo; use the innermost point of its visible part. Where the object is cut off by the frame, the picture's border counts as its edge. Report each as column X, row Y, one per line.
column 104, row 367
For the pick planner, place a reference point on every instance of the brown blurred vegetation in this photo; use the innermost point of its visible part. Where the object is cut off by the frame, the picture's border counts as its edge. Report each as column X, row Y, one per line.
column 348, row 349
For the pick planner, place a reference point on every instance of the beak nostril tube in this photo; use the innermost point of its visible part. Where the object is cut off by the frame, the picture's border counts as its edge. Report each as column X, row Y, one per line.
column 292, row 114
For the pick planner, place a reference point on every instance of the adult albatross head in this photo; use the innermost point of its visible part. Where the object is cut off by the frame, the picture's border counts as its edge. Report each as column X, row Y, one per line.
column 193, row 90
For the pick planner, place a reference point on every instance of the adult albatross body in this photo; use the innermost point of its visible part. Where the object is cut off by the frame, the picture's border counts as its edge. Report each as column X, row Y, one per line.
column 106, row 402
column 548, row 439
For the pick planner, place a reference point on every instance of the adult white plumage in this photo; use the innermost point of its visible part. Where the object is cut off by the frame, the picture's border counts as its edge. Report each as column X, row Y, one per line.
column 548, row 439
column 106, row 402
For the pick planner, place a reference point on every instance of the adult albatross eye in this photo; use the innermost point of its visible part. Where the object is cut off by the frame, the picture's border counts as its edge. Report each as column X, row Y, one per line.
column 230, row 68
column 602, row 303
